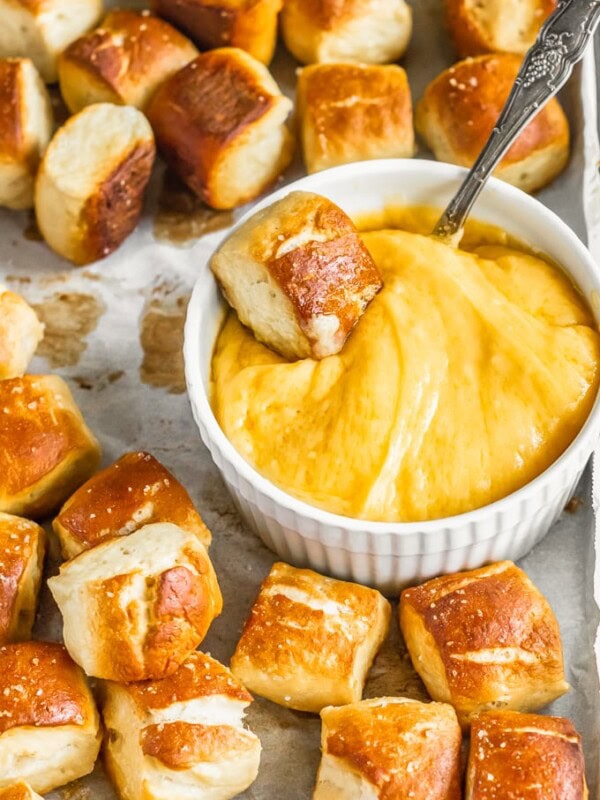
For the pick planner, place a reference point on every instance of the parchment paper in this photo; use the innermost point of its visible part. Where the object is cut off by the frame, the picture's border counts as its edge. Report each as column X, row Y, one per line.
column 114, row 331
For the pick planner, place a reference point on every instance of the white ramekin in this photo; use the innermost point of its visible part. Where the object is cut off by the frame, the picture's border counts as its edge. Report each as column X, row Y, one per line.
column 382, row 554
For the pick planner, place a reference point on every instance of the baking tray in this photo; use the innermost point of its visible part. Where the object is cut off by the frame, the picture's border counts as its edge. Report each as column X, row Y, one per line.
column 114, row 331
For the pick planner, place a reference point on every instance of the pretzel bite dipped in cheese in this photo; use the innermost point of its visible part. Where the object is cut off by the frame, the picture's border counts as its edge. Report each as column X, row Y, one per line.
column 484, row 639
column 354, row 112
column 49, row 726
column 389, row 748
column 46, row 449
column 525, row 756
column 90, row 186
column 41, row 29
column 20, row 333
column 460, row 107
column 135, row 607
column 122, row 61
column 248, row 24
column 487, row 26
column 298, row 275
column 22, row 549
column 134, row 491
column 309, row 641
column 25, row 129
column 19, row 791
column 369, row 31
column 182, row 736
column 220, row 123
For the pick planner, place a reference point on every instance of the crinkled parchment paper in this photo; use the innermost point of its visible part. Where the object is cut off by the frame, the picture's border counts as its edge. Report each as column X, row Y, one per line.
column 114, row 331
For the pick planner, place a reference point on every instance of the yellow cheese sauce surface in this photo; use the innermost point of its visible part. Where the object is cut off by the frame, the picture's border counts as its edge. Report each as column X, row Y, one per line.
column 468, row 375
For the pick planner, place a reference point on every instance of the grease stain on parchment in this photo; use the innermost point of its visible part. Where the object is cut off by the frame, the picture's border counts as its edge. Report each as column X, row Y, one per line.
column 97, row 382
column 69, row 318
column 161, row 337
column 76, row 790
column 31, row 232
column 40, row 280
column 181, row 217
column 574, row 504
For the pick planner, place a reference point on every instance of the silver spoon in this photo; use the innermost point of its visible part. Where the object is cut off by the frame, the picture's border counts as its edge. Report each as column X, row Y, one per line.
column 547, row 66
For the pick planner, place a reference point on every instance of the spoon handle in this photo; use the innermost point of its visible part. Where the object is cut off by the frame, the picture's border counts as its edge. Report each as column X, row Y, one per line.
column 547, row 66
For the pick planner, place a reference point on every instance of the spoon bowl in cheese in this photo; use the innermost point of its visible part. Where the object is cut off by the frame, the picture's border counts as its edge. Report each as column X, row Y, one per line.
column 453, row 426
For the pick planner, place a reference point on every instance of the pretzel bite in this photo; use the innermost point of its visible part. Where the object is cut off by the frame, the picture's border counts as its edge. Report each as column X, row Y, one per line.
column 309, row 641
column 49, row 726
column 134, row 491
column 20, row 333
column 461, row 106
column 180, row 737
column 19, row 791
column 389, row 748
column 484, row 639
column 248, row 24
column 298, row 275
column 46, row 449
column 135, row 607
column 41, row 29
column 354, row 112
column 90, row 187
column 487, row 26
column 123, row 61
column 370, row 31
column 525, row 756
column 220, row 123
column 25, row 129
column 22, row 545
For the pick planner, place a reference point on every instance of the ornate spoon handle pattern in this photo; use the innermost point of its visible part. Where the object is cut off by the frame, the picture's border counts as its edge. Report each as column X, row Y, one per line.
column 547, row 66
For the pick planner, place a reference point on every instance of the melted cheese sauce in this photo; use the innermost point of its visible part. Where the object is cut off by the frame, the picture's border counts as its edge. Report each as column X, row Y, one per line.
column 469, row 374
